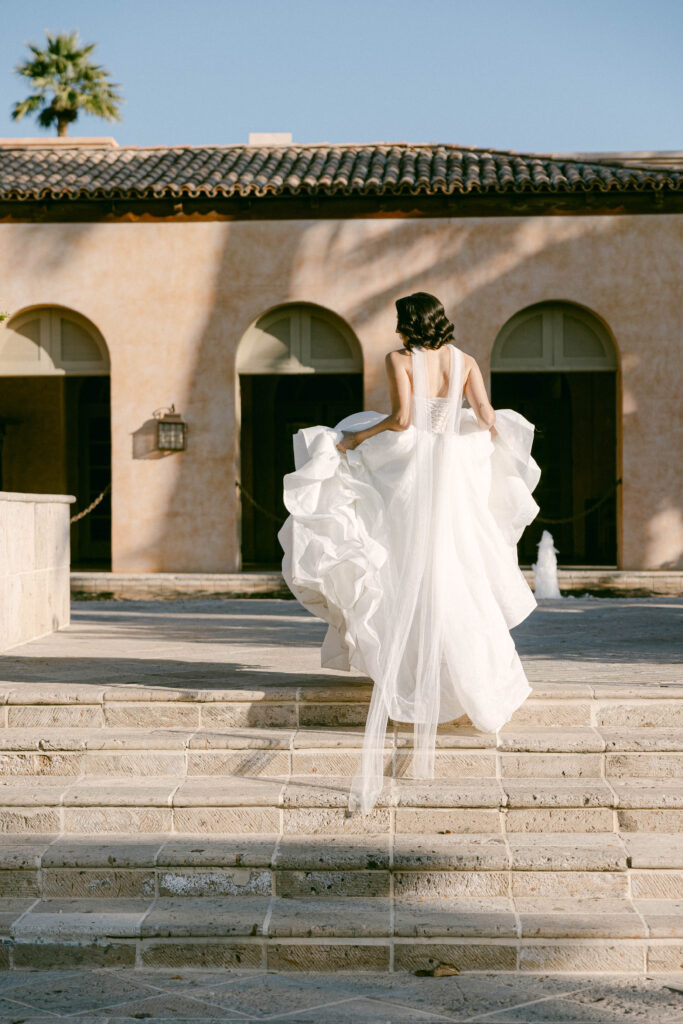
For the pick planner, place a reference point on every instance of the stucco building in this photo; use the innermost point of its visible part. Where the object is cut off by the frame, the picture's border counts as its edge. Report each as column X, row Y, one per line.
column 253, row 288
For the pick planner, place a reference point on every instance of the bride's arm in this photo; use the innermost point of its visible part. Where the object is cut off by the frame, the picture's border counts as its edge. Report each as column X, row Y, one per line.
column 475, row 393
column 399, row 393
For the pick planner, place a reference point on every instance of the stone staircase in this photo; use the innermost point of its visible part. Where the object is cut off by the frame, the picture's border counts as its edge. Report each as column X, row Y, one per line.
column 165, row 827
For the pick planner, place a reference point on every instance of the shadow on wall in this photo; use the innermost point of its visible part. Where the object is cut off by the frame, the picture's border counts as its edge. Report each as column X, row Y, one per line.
column 144, row 442
column 50, row 250
column 456, row 264
column 665, row 532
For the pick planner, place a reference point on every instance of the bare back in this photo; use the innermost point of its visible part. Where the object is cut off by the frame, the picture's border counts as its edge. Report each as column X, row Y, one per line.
column 399, row 371
column 438, row 368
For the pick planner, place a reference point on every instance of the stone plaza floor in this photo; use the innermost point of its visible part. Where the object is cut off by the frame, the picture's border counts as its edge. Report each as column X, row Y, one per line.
column 275, row 642
column 124, row 997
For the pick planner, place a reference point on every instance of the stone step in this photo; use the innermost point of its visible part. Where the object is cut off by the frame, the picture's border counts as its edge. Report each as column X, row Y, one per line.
column 209, row 828
column 531, row 752
column 501, row 933
column 432, row 866
column 481, row 902
column 320, row 703
column 311, row 804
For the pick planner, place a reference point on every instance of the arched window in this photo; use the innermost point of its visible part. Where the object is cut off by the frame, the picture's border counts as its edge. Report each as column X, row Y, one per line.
column 301, row 338
column 49, row 341
column 553, row 336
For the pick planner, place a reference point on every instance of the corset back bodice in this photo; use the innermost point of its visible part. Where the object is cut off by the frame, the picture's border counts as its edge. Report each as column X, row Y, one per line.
column 438, row 412
column 437, row 415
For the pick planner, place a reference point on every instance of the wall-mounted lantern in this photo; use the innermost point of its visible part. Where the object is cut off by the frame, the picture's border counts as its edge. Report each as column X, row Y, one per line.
column 171, row 430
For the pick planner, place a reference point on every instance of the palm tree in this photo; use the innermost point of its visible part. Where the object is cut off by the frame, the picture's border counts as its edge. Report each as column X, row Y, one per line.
column 65, row 82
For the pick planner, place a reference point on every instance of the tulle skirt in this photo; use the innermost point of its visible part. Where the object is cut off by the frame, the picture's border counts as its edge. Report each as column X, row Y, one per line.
column 346, row 532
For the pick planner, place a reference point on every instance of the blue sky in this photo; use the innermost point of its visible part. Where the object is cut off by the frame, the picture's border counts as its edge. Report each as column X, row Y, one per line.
column 527, row 75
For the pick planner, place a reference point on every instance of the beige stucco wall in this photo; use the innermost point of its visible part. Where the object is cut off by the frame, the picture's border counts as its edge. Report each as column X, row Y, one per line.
column 173, row 300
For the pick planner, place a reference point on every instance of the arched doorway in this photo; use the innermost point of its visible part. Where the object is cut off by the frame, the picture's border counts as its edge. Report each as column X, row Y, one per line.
column 298, row 365
column 556, row 364
column 55, row 419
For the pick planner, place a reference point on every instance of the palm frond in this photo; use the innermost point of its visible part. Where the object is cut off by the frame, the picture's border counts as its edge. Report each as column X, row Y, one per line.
column 25, row 107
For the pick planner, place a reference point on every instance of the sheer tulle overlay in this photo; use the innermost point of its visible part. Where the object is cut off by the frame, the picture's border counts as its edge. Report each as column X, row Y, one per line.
column 406, row 547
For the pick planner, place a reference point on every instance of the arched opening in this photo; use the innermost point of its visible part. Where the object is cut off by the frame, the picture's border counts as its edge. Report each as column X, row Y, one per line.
column 298, row 365
column 55, row 419
column 556, row 363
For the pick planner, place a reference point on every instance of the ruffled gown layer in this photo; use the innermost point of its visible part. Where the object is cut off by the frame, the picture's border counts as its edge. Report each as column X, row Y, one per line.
column 346, row 530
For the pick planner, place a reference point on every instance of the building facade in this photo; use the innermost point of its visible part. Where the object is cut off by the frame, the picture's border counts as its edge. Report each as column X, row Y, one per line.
column 253, row 288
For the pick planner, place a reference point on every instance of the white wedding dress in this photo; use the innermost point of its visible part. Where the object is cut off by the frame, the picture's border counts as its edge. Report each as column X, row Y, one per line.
column 406, row 547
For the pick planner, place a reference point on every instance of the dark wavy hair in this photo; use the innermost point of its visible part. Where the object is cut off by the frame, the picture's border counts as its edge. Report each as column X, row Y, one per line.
column 422, row 320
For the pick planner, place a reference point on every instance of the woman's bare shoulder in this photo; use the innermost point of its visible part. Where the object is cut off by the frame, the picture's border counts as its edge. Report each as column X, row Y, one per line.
column 470, row 363
column 398, row 357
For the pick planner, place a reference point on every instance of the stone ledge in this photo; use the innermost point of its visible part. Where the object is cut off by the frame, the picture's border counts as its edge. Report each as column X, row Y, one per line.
column 506, row 956
column 66, row 499
column 599, row 851
column 178, row 585
column 338, row 917
column 330, row 793
column 574, row 705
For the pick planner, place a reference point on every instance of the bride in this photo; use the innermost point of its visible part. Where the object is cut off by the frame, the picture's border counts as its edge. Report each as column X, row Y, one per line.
column 402, row 536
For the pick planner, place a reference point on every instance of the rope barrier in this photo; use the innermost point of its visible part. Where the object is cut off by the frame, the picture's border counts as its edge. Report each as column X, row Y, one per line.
column 278, row 519
column 586, row 511
column 254, row 502
column 91, row 506
column 541, row 519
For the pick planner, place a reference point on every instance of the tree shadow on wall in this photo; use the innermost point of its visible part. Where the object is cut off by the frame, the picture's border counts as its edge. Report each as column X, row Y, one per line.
column 367, row 272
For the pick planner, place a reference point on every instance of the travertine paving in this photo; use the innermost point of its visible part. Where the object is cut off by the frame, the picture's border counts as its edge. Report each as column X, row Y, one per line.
column 109, row 997
column 173, row 784
column 206, row 644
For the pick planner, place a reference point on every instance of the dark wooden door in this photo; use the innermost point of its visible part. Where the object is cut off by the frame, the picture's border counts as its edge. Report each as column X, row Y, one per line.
column 575, row 447
column 274, row 407
column 89, row 417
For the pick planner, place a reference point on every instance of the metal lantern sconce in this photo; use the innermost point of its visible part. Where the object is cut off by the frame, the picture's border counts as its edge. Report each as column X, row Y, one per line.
column 171, row 430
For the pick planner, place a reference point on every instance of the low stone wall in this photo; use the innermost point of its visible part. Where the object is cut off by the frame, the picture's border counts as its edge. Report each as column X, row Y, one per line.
column 34, row 565
column 173, row 586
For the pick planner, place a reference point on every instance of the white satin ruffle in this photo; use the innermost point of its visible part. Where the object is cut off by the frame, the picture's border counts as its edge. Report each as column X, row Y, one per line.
column 345, row 524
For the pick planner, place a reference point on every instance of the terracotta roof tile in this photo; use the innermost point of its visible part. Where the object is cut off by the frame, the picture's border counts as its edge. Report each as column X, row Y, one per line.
column 130, row 172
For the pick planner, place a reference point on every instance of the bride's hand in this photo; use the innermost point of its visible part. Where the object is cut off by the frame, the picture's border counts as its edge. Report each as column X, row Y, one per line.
column 348, row 441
